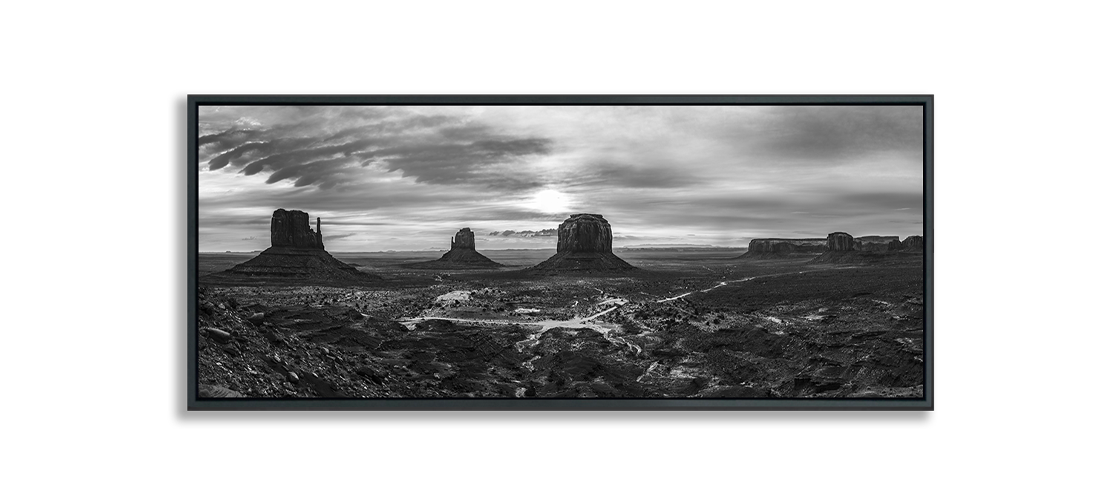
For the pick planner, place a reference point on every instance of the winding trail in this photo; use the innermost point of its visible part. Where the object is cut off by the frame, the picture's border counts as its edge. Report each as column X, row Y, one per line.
column 719, row 285
column 574, row 323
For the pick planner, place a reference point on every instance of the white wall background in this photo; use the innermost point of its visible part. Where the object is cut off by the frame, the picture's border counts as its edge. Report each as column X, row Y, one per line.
column 92, row 353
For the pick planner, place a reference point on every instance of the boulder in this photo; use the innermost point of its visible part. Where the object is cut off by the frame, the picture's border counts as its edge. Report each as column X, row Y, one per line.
column 217, row 335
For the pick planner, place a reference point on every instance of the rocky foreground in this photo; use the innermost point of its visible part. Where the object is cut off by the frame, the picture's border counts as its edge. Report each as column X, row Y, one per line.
column 833, row 333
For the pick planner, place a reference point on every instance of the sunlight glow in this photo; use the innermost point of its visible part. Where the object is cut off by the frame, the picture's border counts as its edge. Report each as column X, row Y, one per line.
column 550, row 201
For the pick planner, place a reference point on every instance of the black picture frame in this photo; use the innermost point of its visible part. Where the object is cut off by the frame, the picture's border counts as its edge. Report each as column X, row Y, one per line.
column 194, row 403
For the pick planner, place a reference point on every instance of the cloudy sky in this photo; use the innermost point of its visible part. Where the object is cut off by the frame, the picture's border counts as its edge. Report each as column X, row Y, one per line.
column 406, row 178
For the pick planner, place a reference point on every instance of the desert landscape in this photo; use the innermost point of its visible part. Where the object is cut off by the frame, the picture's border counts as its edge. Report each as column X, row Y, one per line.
column 839, row 316
column 572, row 251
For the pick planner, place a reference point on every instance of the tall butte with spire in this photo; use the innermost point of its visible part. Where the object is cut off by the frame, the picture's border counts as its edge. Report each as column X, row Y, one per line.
column 297, row 252
column 462, row 255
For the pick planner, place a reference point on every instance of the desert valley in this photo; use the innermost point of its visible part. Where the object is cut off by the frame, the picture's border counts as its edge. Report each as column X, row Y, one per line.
column 839, row 316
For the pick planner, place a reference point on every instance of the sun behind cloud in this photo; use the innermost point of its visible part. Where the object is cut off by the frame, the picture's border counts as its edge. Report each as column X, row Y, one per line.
column 550, row 201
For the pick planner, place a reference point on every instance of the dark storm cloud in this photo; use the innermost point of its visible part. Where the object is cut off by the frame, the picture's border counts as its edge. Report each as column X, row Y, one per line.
column 428, row 149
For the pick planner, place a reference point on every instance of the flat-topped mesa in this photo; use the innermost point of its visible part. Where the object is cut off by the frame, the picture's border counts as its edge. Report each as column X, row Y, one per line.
column 585, row 233
column 874, row 243
column 842, row 248
column 840, row 242
column 772, row 248
column 463, row 240
column 291, row 228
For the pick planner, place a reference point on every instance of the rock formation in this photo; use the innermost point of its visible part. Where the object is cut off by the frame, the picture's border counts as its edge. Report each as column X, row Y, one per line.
column 291, row 228
column 873, row 243
column 297, row 253
column 585, row 233
column 463, row 240
column 776, row 248
column 584, row 245
column 462, row 255
column 839, row 242
column 842, row 248
column 911, row 243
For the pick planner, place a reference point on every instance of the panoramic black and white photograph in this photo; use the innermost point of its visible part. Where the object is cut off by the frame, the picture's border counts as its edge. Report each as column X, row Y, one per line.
column 546, row 251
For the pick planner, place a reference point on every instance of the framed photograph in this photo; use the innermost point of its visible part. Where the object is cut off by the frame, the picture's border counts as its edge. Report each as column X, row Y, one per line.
column 543, row 252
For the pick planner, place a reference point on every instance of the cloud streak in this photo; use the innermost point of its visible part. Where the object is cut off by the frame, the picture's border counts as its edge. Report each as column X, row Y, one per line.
column 435, row 149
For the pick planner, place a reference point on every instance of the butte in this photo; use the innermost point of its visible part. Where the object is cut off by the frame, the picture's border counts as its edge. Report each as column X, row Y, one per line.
column 462, row 255
column 297, row 254
column 584, row 246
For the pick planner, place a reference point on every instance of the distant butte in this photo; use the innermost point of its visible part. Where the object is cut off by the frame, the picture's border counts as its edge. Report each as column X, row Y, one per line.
column 585, row 246
column 777, row 248
column 842, row 248
column 462, row 255
column 913, row 243
column 297, row 252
